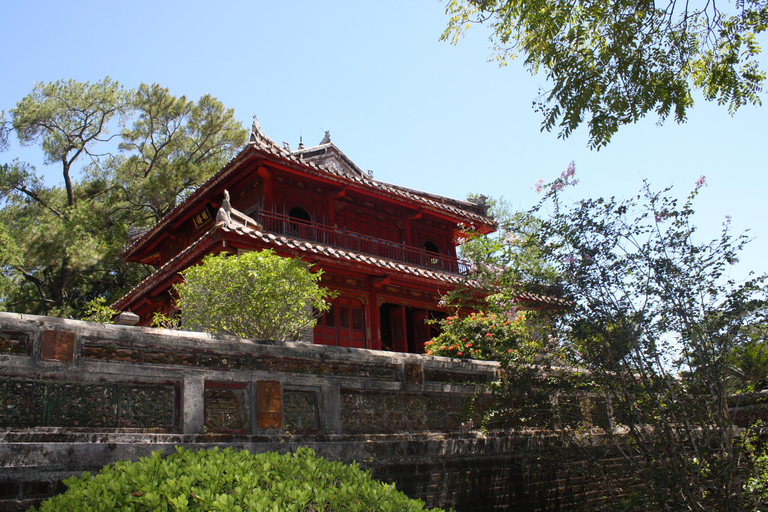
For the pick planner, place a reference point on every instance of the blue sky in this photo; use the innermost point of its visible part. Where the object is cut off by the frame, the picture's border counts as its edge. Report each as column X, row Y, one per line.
column 418, row 112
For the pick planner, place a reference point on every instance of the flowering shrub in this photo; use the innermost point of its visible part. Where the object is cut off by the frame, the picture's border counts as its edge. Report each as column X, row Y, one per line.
column 481, row 336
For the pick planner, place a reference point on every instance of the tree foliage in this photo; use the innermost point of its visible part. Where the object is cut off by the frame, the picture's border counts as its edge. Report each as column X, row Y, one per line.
column 255, row 295
column 126, row 158
column 612, row 62
column 655, row 320
column 69, row 120
column 658, row 339
column 173, row 146
column 5, row 130
column 502, row 264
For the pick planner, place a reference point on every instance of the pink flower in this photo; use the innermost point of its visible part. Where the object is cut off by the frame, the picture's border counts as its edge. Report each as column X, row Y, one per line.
column 701, row 182
column 539, row 185
column 569, row 172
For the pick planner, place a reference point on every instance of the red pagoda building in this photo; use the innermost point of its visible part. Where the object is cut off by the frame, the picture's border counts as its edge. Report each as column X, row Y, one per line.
column 389, row 251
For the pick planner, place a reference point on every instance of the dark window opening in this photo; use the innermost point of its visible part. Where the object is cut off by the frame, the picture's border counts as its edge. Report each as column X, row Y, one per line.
column 432, row 252
column 299, row 223
column 299, row 213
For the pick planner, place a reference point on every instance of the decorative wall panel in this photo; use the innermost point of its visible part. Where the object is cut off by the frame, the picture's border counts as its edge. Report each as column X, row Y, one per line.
column 300, row 411
column 27, row 403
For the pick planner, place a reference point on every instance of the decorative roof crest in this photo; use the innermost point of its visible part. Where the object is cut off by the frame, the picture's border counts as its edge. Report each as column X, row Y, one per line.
column 224, row 214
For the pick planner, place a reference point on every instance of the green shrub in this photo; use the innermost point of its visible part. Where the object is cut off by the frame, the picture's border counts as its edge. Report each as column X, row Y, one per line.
column 230, row 481
column 257, row 295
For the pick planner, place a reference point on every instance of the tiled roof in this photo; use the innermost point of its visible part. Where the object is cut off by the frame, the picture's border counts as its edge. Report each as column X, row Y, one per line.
column 341, row 254
column 264, row 144
column 269, row 146
column 163, row 272
column 281, row 241
column 544, row 299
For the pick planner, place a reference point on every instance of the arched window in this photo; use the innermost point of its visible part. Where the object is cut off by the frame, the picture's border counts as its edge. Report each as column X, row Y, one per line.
column 299, row 213
column 299, row 223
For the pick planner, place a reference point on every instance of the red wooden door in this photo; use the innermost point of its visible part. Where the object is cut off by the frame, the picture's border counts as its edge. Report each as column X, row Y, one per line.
column 421, row 330
column 343, row 325
column 398, row 329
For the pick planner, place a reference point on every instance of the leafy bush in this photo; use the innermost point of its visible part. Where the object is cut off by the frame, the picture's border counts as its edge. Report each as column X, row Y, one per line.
column 256, row 295
column 98, row 311
column 230, row 481
column 481, row 336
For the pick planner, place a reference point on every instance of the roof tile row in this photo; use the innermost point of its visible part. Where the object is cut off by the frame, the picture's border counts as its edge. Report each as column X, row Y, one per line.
column 171, row 267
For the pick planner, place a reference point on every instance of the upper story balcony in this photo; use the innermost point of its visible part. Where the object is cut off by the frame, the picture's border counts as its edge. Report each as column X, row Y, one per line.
column 345, row 239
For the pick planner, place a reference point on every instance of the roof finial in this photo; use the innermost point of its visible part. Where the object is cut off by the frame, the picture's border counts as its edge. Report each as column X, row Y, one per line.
column 301, row 141
column 326, row 139
column 255, row 129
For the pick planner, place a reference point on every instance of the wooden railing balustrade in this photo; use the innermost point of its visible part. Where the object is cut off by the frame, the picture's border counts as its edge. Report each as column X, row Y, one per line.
column 345, row 239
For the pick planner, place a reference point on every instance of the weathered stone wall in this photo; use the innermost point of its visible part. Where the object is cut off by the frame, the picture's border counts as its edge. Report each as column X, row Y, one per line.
column 75, row 396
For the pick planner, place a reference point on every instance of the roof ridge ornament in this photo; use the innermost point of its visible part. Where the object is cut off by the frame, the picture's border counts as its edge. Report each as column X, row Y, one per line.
column 327, row 138
column 256, row 130
column 224, row 215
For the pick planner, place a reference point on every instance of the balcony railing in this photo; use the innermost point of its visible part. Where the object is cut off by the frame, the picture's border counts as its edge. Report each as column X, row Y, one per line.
column 344, row 239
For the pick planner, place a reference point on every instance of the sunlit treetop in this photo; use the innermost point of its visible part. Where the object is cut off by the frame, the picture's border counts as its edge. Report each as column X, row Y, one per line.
column 611, row 62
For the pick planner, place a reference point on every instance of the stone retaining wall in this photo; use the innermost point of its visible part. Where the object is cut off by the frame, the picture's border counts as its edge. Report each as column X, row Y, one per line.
column 75, row 396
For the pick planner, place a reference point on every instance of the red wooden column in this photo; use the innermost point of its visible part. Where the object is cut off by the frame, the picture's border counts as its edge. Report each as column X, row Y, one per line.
column 407, row 229
column 330, row 211
column 374, row 315
column 268, row 187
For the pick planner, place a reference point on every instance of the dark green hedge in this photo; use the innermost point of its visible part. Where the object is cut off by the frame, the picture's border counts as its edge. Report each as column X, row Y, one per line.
column 230, row 481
